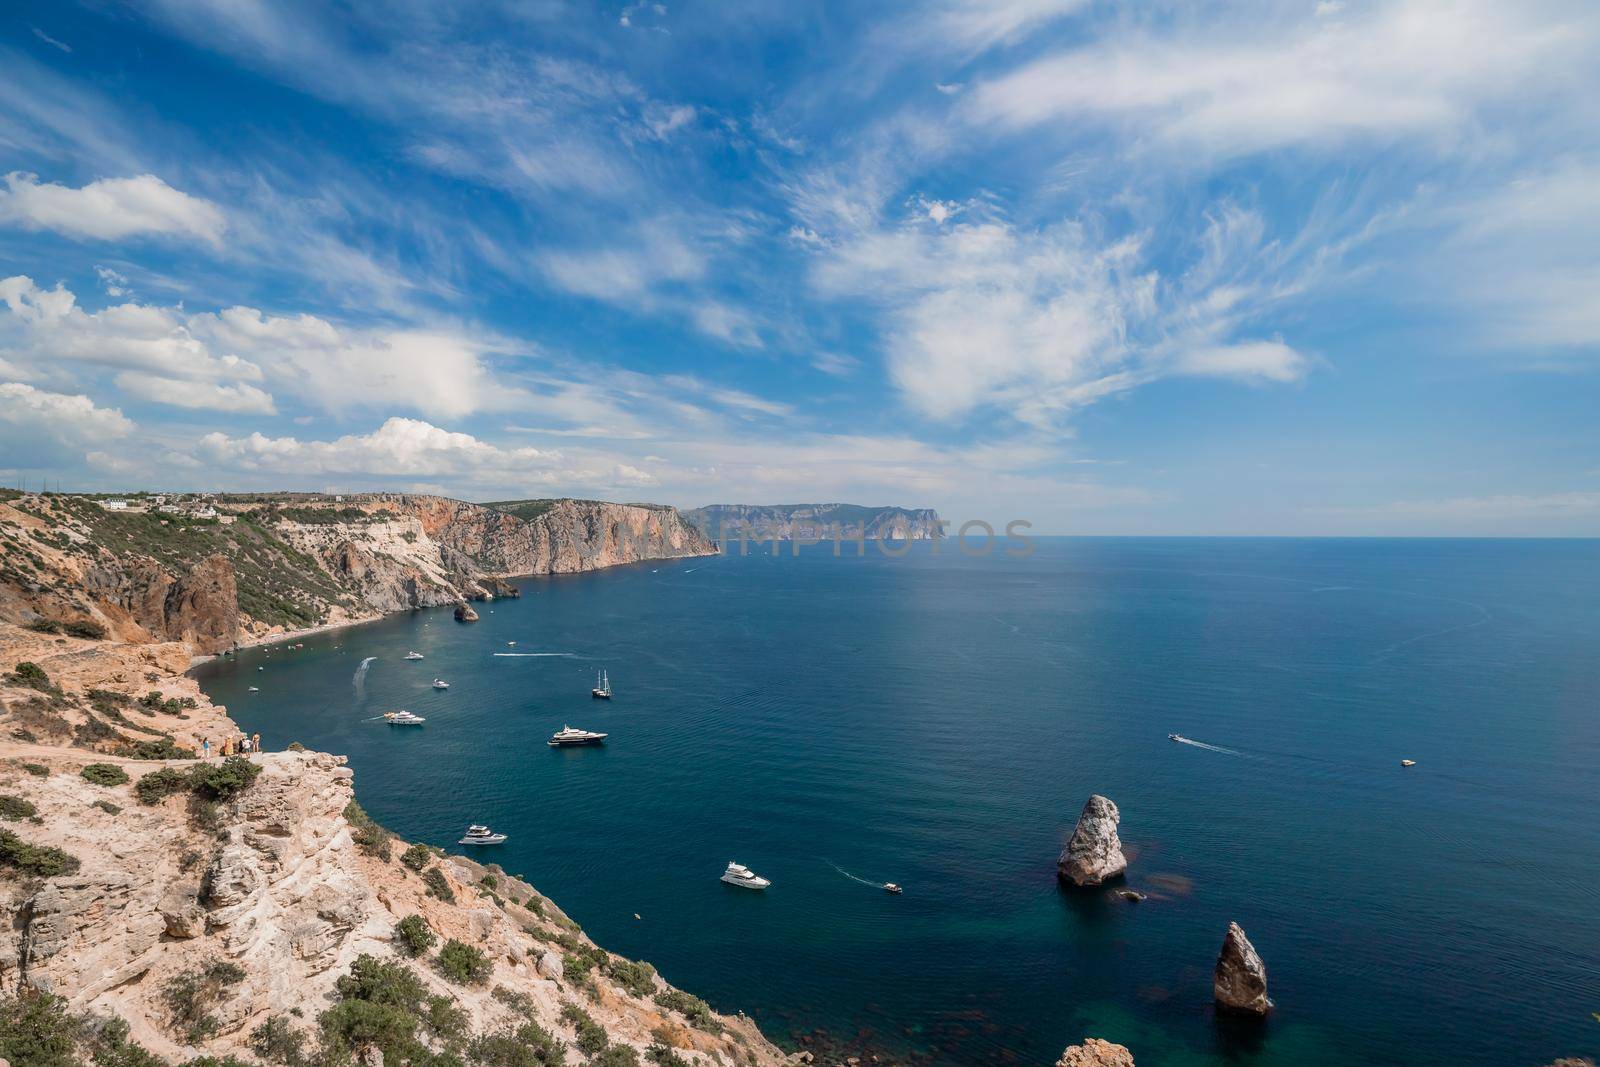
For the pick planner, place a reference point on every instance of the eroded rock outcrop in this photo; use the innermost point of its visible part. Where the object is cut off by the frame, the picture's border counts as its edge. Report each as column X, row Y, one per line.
column 1096, row 1053
column 1239, row 982
column 1094, row 852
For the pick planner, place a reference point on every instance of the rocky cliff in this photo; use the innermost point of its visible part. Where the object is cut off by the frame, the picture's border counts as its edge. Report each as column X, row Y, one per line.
column 794, row 522
column 268, row 564
column 241, row 908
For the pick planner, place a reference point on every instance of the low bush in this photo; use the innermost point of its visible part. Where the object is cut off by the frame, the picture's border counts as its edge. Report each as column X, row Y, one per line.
column 31, row 676
column 371, row 838
column 417, row 857
column 591, row 1036
column 529, row 1045
column 84, row 628
column 412, row 936
column 37, row 1029
column 275, row 1041
column 637, row 978
column 616, row 1056
column 661, row 1053
column 41, row 860
column 371, row 979
column 156, row 786
column 462, row 964
column 108, row 807
column 225, row 780
column 15, row 808
column 156, row 748
column 190, row 995
column 691, row 1007
column 37, row 769
column 107, row 774
column 434, row 879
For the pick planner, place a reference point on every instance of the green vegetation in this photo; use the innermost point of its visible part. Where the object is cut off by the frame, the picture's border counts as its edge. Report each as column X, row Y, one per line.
column 529, row 1045
column 37, row 769
column 383, row 1006
column 37, row 1030
column 162, row 747
column 661, row 1053
column 616, row 1056
column 637, row 978
column 417, row 857
column 14, row 808
column 41, row 860
column 275, row 1041
column 691, row 1007
column 84, row 628
column 190, row 995
column 371, row 838
column 434, row 879
column 108, row 807
column 526, row 510
column 208, row 782
column 31, row 676
column 462, row 964
column 591, row 1036
column 168, row 705
column 107, row 774
column 412, row 935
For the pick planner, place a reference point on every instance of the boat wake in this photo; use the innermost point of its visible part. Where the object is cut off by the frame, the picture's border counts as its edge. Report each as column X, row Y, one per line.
column 533, row 655
column 360, row 679
column 847, row 874
column 1210, row 748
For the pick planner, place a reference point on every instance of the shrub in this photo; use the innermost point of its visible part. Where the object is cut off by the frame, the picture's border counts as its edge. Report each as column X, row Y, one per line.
column 417, row 857
column 577, row 963
column 36, row 1029
column 592, row 1039
column 190, row 994
column 662, row 1053
column 691, row 1007
column 107, row 774
column 158, row 748
column 277, row 1042
column 444, row 1020
column 37, row 769
column 520, row 1003
column 463, row 964
column 637, row 978
column 377, row 982
column 529, row 1045
column 367, row 834
column 45, row 626
column 223, row 781
column 156, row 786
column 108, row 807
column 616, row 1056
column 412, row 936
column 354, row 1024
column 85, row 628
column 15, row 808
column 31, row 676
column 42, row 860
column 489, row 881
column 437, row 886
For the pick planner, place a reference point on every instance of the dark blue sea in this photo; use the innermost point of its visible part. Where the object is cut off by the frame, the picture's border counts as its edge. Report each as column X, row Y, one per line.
column 938, row 720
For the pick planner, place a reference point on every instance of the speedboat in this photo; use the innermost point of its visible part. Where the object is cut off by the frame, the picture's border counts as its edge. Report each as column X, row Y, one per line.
column 440, row 683
column 415, row 655
column 1176, row 737
column 480, row 835
column 255, row 689
column 567, row 736
column 891, row 887
column 403, row 718
column 1408, row 763
column 740, row 875
column 602, row 686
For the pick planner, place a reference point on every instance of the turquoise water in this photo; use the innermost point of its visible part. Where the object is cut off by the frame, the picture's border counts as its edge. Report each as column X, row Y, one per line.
column 938, row 721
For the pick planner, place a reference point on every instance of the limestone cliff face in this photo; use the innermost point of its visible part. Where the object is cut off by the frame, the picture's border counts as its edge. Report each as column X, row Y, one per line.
column 274, row 883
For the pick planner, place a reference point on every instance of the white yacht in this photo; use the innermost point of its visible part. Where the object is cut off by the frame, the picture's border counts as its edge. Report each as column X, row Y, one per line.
column 480, row 835
column 568, row 736
column 602, row 685
column 255, row 689
column 740, row 875
column 440, row 683
column 403, row 718
column 414, row 654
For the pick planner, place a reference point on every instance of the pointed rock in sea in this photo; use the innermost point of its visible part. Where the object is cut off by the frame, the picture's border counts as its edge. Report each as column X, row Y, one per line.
column 1240, row 981
column 1094, row 852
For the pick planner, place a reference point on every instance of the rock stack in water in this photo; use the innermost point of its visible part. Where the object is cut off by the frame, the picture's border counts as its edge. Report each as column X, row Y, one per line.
column 464, row 613
column 1240, row 980
column 1096, row 1053
column 1094, row 853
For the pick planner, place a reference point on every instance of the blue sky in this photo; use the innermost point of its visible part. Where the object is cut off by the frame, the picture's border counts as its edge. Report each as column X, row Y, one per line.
column 1155, row 268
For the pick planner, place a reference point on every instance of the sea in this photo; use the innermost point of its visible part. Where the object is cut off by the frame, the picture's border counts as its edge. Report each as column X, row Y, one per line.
column 937, row 719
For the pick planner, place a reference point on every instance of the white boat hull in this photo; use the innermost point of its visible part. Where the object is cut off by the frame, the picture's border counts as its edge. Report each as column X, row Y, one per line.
column 746, row 883
column 492, row 839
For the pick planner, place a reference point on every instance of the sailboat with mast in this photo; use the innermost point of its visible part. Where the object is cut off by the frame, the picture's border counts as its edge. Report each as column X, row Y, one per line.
column 602, row 686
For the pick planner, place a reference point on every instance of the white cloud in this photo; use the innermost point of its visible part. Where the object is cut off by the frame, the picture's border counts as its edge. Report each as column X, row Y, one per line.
column 626, row 273
column 42, row 429
column 1400, row 69
column 110, row 209
column 836, row 364
column 153, row 347
column 1271, row 361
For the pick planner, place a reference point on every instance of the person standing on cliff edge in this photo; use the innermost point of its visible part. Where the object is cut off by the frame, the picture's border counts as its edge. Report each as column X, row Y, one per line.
column 205, row 748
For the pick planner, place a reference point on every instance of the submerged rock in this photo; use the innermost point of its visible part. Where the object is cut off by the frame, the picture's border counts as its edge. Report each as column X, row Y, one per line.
column 1132, row 896
column 1096, row 1053
column 1240, row 981
column 1094, row 852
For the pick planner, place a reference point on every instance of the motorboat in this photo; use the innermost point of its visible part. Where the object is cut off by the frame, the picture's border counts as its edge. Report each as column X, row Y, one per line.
column 255, row 689
column 1408, row 763
column 414, row 654
column 403, row 718
column 891, row 887
column 480, row 835
column 740, row 875
column 440, row 683
column 567, row 737
column 1176, row 737
column 602, row 686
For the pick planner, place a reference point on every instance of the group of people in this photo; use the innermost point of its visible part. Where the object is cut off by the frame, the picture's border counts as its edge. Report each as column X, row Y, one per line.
column 241, row 745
